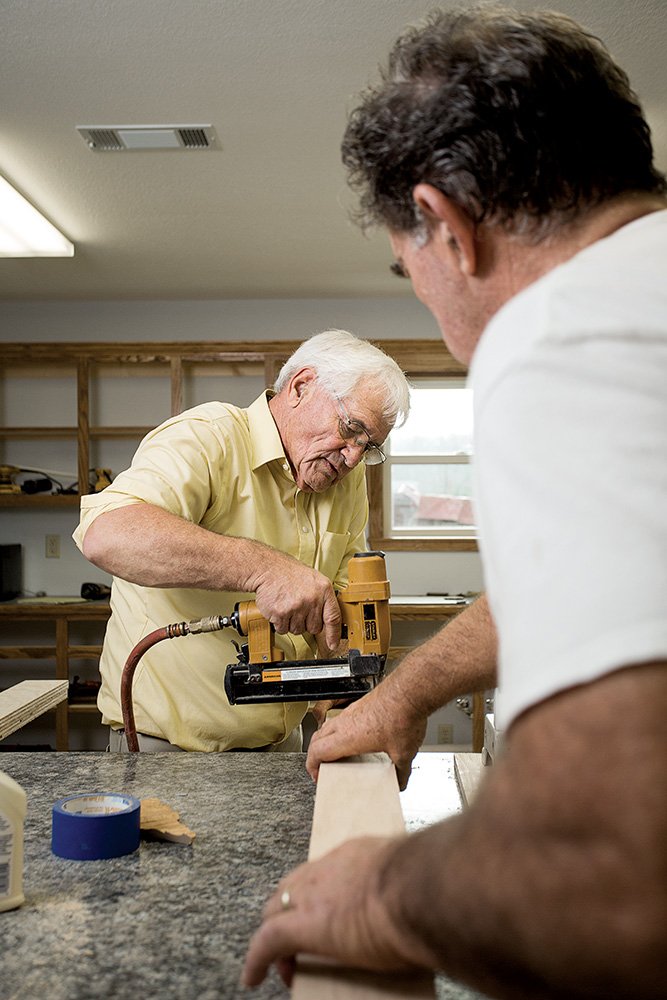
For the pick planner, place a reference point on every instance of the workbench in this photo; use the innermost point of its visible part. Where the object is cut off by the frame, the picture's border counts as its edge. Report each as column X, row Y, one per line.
column 171, row 921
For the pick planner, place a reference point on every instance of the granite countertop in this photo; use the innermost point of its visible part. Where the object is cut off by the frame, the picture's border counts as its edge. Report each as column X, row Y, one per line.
column 170, row 921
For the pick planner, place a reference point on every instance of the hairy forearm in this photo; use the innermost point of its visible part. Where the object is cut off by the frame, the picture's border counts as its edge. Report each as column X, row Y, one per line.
column 153, row 548
column 461, row 657
column 552, row 884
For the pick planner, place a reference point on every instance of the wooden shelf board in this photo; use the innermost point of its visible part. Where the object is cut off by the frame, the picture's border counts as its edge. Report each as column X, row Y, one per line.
column 26, row 701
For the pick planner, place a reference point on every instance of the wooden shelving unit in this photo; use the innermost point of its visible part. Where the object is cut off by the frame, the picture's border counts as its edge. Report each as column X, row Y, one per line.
column 85, row 361
column 174, row 360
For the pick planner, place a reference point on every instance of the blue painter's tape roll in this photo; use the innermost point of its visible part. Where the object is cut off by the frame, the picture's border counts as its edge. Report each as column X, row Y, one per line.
column 95, row 825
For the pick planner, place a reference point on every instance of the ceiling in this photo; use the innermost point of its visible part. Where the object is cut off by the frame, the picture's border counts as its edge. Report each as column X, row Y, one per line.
column 264, row 216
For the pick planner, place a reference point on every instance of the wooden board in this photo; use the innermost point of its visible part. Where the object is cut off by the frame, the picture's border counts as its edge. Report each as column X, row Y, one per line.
column 469, row 771
column 24, row 702
column 355, row 797
column 158, row 821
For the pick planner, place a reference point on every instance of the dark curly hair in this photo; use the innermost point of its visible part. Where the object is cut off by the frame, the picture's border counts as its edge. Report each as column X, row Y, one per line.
column 523, row 119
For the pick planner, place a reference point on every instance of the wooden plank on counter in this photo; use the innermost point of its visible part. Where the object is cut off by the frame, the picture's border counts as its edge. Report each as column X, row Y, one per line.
column 469, row 771
column 27, row 700
column 355, row 797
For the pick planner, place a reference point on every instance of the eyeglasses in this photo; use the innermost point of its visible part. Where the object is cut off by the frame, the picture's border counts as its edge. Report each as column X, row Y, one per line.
column 352, row 430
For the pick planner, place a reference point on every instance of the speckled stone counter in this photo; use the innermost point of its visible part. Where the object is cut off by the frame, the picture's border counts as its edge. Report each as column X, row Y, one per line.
column 170, row 921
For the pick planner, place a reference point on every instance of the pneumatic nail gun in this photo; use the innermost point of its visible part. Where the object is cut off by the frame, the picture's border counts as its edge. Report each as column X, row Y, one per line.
column 263, row 675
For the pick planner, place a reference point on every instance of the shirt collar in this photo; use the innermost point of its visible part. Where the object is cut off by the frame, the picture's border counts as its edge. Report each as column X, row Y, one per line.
column 264, row 436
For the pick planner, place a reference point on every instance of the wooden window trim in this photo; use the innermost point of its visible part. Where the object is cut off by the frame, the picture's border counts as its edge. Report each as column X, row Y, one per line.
column 413, row 543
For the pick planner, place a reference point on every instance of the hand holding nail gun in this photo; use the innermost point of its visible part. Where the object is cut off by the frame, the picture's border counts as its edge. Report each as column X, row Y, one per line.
column 262, row 675
column 296, row 599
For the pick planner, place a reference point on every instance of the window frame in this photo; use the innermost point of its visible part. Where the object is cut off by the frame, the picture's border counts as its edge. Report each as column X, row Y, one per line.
column 419, row 360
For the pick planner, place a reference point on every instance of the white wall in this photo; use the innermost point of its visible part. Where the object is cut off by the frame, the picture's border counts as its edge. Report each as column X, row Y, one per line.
column 233, row 319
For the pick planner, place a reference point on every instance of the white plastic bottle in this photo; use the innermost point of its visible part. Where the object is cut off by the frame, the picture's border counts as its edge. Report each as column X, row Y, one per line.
column 13, row 804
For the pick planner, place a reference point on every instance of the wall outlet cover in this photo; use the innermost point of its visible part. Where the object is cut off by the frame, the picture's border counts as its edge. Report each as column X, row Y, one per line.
column 52, row 546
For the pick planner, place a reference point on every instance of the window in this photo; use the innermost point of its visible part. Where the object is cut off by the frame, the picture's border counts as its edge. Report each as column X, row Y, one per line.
column 426, row 482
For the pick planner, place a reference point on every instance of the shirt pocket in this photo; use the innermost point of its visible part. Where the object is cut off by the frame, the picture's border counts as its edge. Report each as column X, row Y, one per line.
column 330, row 553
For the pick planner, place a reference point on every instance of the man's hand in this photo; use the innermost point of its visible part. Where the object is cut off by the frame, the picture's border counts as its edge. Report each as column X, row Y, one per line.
column 487, row 908
column 334, row 908
column 380, row 721
column 296, row 598
column 461, row 657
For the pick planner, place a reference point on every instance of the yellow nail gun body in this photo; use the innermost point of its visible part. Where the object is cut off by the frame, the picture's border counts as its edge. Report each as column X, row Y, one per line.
column 263, row 675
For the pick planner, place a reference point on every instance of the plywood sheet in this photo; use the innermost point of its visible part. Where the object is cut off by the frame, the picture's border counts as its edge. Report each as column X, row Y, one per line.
column 24, row 702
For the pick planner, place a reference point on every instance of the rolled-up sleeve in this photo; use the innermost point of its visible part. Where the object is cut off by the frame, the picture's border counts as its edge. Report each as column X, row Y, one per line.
column 177, row 467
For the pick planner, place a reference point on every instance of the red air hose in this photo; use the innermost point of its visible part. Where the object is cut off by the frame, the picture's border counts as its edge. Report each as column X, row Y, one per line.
column 167, row 632
column 211, row 624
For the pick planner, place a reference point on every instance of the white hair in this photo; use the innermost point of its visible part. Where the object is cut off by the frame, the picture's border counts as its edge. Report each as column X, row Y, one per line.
column 341, row 360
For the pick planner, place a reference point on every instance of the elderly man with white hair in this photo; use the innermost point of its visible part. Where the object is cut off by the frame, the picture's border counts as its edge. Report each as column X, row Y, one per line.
column 222, row 502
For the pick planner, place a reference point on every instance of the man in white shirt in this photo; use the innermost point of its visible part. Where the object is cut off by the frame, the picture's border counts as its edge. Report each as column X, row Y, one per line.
column 511, row 164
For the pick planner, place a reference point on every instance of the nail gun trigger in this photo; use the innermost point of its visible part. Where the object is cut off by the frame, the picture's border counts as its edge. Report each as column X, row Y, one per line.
column 242, row 654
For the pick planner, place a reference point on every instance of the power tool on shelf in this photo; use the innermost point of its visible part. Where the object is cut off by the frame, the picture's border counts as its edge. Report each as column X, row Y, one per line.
column 262, row 674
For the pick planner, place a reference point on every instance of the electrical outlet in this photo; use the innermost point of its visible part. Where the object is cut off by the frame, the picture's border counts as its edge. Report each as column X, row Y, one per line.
column 52, row 546
column 446, row 733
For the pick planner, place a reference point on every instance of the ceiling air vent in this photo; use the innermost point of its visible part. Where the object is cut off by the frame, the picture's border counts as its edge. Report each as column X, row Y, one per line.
column 128, row 138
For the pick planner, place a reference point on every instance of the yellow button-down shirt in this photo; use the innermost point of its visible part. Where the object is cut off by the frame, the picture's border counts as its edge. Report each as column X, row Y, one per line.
column 224, row 468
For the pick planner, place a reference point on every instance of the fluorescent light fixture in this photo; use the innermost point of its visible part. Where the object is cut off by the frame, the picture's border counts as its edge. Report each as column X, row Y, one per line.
column 26, row 233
